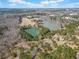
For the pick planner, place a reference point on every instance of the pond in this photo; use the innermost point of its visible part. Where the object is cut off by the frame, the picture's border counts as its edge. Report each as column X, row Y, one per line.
column 52, row 25
column 32, row 31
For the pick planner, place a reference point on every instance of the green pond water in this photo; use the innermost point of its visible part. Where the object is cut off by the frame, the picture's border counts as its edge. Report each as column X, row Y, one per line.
column 32, row 31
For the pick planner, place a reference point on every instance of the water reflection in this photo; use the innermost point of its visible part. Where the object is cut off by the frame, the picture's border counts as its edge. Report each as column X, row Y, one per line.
column 52, row 25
